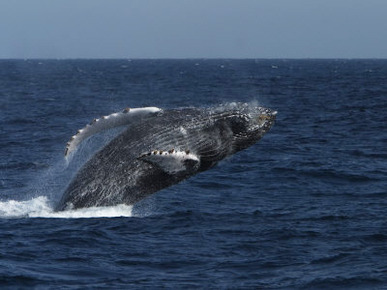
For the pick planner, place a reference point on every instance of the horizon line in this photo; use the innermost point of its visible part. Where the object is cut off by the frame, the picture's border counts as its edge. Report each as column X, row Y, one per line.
column 193, row 58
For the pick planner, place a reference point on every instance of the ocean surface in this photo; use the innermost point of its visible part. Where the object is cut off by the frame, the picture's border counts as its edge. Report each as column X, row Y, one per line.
column 304, row 208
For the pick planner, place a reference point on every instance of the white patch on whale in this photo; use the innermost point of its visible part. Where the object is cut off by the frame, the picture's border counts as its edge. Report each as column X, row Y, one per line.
column 172, row 161
column 183, row 131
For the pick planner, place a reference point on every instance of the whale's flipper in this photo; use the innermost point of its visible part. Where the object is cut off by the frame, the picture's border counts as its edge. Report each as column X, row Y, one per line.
column 172, row 161
column 107, row 122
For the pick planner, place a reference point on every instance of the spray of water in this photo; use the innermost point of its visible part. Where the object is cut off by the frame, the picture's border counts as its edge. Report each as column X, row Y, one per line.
column 40, row 207
column 45, row 192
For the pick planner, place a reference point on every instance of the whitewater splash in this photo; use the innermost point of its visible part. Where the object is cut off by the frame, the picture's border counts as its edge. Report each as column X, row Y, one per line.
column 45, row 191
column 40, row 207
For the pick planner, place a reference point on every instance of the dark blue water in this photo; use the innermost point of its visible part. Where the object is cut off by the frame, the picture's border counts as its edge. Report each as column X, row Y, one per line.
column 303, row 208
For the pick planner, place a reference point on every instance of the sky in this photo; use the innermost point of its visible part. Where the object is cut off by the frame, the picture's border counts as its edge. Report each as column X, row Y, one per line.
column 193, row 29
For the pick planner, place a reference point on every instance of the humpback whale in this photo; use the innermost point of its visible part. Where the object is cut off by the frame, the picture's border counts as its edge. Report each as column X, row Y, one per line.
column 159, row 148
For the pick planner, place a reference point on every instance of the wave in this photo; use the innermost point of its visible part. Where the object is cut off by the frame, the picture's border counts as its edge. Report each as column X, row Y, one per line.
column 41, row 207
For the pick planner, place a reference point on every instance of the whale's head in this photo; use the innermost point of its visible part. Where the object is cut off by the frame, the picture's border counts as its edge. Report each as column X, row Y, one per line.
column 249, row 124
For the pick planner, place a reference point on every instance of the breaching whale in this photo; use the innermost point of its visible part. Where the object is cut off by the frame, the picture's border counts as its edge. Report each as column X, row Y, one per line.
column 159, row 148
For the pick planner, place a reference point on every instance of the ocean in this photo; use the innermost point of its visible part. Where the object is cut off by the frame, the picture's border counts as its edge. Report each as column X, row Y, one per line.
column 304, row 208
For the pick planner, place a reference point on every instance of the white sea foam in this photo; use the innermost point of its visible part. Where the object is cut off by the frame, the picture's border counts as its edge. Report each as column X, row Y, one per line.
column 40, row 207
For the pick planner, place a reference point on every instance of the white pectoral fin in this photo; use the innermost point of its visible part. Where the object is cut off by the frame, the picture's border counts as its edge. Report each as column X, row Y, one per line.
column 108, row 122
column 172, row 161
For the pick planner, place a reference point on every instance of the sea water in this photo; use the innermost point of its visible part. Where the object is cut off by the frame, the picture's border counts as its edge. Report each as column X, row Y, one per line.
column 303, row 208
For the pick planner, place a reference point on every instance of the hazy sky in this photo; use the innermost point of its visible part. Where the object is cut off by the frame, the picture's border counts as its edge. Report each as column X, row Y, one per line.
column 193, row 28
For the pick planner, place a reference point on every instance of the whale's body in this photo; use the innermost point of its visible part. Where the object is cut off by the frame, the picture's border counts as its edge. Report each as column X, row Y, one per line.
column 161, row 148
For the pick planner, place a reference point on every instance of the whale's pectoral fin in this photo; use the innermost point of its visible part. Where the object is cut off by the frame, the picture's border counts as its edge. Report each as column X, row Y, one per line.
column 172, row 161
column 114, row 120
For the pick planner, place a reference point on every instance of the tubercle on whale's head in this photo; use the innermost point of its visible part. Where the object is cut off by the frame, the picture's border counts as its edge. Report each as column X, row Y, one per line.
column 250, row 126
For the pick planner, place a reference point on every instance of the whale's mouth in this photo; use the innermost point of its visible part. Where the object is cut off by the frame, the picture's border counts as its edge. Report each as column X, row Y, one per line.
column 264, row 120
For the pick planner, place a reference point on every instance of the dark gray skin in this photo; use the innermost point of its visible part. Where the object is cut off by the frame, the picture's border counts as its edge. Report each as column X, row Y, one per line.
column 124, row 172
